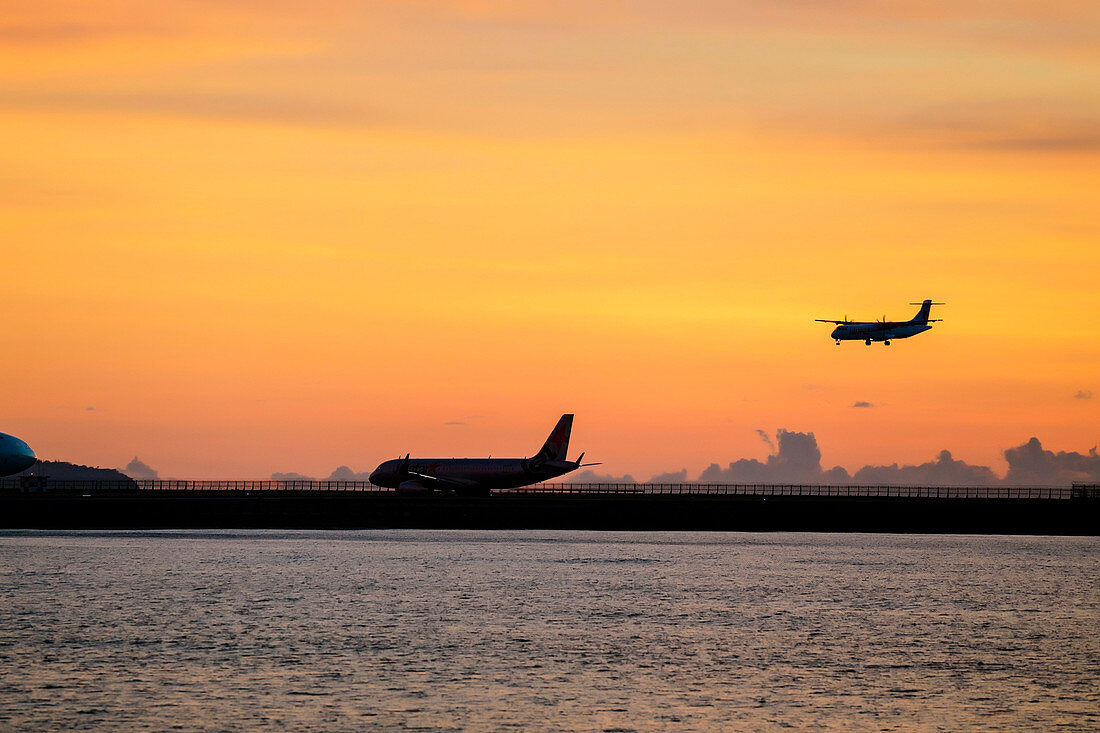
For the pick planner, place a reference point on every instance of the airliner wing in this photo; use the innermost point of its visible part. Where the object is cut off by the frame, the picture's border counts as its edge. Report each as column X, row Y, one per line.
column 826, row 320
column 442, row 480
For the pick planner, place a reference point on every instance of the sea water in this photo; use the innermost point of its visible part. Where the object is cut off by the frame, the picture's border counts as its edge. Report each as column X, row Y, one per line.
column 591, row 631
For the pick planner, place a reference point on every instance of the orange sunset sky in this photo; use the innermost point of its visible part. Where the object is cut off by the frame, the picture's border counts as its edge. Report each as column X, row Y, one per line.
column 247, row 237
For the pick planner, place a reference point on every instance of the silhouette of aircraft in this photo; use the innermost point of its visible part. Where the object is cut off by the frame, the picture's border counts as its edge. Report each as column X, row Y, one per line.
column 476, row 476
column 884, row 330
column 15, row 455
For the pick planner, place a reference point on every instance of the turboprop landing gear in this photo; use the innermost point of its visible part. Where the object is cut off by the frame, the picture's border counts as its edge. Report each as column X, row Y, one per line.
column 886, row 343
column 838, row 342
column 868, row 342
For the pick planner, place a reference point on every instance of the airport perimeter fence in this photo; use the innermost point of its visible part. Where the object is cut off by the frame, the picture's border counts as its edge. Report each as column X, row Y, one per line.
column 193, row 486
column 36, row 484
column 1077, row 491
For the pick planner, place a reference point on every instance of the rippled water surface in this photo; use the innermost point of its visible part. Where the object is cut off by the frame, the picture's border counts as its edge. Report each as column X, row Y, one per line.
column 547, row 630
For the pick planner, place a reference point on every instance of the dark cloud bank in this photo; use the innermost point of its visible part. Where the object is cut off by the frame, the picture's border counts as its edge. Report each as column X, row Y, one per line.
column 136, row 469
column 343, row 473
column 797, row 460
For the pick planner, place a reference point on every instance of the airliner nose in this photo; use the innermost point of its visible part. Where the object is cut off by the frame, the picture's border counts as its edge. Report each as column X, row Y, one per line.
column 15, row 455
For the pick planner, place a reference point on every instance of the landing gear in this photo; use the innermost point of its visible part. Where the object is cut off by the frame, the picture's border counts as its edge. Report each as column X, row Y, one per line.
column 868, row 342
column 886, row 343
column 838, row 342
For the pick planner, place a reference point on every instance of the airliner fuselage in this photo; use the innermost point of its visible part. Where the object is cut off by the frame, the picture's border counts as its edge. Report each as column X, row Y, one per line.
column 485, row 473
column 478, row 476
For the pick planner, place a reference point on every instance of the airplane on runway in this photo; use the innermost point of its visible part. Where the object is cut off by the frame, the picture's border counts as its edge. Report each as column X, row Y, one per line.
column 476, row 476
column 15, row 455
column 884, row 330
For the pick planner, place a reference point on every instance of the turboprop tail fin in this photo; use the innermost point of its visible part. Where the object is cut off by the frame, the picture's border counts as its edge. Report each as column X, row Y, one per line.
column 925, row 310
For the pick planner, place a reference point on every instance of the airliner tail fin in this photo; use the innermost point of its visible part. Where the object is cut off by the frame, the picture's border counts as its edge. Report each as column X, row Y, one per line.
column 557, row 445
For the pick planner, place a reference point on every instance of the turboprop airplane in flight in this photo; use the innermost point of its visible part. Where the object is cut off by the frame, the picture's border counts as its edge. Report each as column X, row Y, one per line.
column 15, row 455
column 884, row 330
column 476, row 476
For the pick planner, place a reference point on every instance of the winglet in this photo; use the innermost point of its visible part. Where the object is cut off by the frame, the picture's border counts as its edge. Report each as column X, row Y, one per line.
column 580, row 464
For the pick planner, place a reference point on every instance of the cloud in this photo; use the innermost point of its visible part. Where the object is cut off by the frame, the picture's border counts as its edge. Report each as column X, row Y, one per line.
column 1040, row 125
column 275, row 108
column 1058, row 141
column 454, row 422
column 340, row 473
column 1030, row 465
column 674, row 477
column 64, row 33
column 1067, row 142
column 796, row 460
column 862, row 403
column 767, row 439
column 591, row 477
column 943, row 471
column 343, row 473
column 136, row 469
column 1083, row 394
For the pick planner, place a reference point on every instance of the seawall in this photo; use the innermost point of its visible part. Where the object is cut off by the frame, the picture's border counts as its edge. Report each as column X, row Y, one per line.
column 370, row 510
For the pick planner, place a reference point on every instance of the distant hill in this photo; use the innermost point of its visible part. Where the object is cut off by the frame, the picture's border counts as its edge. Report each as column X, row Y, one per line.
column 63, row 471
